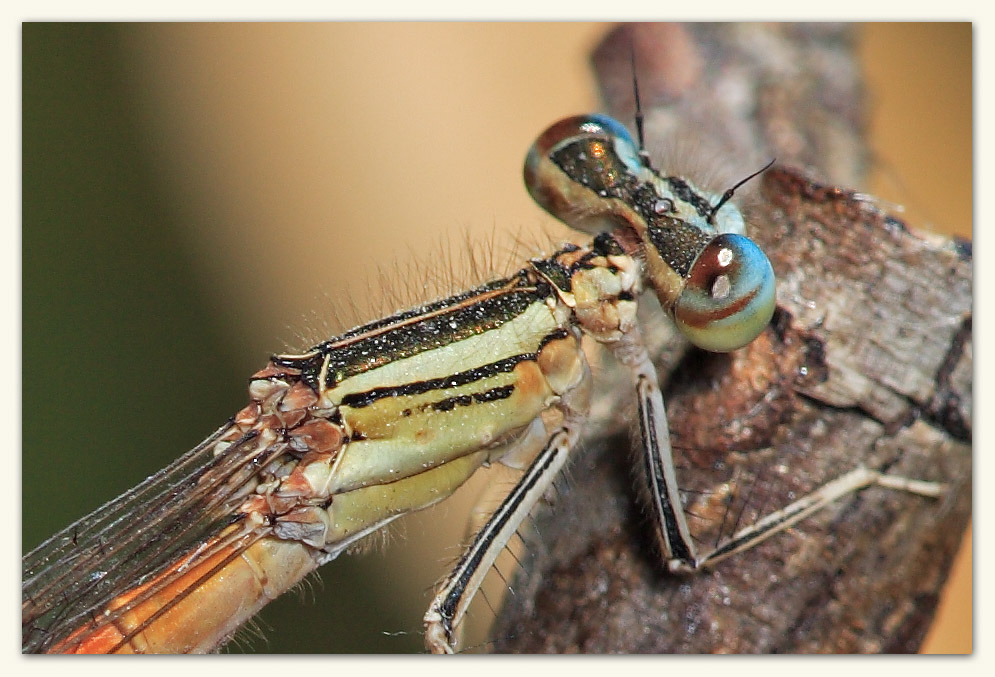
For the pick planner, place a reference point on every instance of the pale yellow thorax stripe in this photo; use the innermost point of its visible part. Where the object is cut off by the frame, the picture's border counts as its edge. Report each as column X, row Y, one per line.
column 521, row 334
column 410, row 443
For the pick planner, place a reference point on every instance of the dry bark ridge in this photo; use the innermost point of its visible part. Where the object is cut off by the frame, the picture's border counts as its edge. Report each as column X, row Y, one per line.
column 868, row 361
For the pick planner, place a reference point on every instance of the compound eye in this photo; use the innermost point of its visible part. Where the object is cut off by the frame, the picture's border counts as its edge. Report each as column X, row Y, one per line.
column 576, row 165
column 581, row 128
column 729, row 295
column 622, row 141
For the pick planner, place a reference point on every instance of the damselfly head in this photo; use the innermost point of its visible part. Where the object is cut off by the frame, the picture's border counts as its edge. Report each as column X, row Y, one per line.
column 588, row 172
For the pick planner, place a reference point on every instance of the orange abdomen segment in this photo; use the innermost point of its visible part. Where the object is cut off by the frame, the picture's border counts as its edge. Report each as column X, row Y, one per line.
column 203, row 613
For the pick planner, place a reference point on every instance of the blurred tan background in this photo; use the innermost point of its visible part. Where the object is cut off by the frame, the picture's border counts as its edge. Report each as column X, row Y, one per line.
column 270, row 170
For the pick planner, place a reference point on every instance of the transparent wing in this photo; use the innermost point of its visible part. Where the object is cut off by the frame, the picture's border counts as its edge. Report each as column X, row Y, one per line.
column 136, row 537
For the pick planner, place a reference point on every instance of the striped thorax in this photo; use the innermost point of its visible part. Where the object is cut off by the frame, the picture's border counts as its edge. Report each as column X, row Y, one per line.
column 420, row 400
column 394, row 415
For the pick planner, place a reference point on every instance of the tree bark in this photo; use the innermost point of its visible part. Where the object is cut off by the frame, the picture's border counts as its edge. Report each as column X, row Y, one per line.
column 867, row 361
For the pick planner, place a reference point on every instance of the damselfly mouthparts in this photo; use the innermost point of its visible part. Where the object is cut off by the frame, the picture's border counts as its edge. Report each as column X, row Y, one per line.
column 394, row 415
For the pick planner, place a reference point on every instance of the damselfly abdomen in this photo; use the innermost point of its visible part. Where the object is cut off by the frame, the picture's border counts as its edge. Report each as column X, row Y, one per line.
column 394, row 415
column 454, row 402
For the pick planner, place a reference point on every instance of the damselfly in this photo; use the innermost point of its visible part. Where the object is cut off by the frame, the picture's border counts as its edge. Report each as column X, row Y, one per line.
column 394, row 415
column 276, row 106
column 457, row 402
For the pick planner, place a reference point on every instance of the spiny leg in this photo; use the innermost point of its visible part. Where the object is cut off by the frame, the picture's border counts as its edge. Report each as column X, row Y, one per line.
column 678, row 548
column 657, row 456
column 447, row 609
column 853, row 481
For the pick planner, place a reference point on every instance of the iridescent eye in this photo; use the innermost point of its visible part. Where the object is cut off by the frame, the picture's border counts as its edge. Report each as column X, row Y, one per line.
column 576, row 165
column 622, row 141
column 729, row 295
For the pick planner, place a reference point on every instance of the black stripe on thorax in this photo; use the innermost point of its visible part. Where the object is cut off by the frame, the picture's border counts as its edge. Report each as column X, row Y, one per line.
column 368, row 397
column 416, row 331
column 364, row 399
column 491, row 395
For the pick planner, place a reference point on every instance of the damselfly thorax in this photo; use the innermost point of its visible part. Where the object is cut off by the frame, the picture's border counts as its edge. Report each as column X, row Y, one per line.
column 393, row 416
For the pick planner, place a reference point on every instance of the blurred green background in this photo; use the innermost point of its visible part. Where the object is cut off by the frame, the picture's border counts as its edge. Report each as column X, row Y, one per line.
column 196, row 196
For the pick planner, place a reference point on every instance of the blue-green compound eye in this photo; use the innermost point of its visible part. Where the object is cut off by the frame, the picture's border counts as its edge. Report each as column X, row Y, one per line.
column 729, row 295
column 624, row 144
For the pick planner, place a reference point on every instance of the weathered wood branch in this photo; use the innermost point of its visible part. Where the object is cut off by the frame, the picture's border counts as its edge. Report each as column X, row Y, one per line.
column 868, row 361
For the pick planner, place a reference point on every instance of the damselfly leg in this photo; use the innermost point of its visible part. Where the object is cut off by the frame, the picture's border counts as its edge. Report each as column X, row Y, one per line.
column 393, row 416
column 660, row 233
